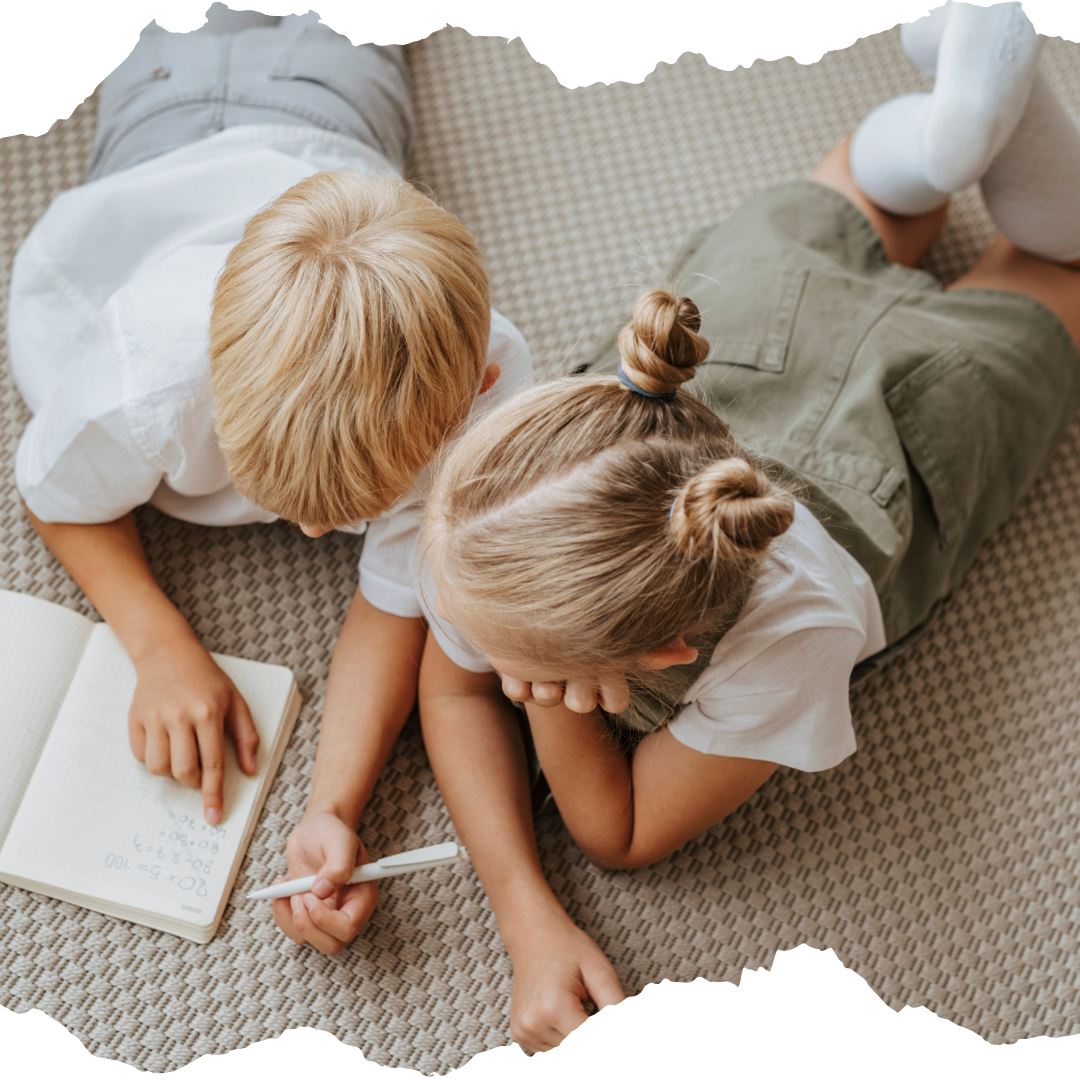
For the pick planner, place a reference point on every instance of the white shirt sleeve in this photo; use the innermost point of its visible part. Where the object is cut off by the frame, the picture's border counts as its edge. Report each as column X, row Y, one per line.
column 789, row 704
column 77, row 460
column 395, row 578
column 386, row 563
column 389, row 571
column 449, row 639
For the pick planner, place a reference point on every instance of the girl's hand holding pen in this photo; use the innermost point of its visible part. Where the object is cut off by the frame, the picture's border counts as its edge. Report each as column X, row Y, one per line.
column 333, row 913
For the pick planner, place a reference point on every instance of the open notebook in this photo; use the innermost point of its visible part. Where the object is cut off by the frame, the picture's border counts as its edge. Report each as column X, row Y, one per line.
column 83, row 821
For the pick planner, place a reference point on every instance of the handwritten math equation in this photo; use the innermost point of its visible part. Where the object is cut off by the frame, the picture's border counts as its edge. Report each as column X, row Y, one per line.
column 180, row 856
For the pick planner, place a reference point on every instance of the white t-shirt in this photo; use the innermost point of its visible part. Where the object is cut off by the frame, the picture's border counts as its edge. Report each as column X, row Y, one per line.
column 777, row 686
column 108, row 322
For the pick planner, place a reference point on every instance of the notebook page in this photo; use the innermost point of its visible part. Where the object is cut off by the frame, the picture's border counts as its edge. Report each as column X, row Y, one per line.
column 40, row 646
column 94, row 821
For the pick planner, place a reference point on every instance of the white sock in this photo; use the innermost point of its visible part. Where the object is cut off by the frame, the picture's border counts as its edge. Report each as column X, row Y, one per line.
column 1032, row 188
column 985, row 69
column 886, row 157
column 922, row 38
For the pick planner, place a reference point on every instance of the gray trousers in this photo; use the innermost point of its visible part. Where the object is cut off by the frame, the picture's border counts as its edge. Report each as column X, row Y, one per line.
column 246, row 68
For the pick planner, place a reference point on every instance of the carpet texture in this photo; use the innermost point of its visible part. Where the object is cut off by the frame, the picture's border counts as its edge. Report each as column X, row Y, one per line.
column 939, row 862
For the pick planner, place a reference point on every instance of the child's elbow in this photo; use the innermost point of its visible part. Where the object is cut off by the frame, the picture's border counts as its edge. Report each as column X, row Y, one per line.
column 622, row 857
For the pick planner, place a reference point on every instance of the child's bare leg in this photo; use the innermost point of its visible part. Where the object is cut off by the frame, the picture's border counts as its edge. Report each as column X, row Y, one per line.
column 906, row 239
column 1004, row 266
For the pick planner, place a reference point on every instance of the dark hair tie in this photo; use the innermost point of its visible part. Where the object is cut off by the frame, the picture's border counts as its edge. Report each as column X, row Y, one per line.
column 631, row 385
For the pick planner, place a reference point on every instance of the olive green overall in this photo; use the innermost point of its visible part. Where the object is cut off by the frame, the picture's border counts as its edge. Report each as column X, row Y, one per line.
column 909, row 419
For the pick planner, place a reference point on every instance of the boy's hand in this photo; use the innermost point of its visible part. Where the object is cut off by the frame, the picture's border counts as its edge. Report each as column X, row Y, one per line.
column 183, row 705
column 332, row 914
column 558, row 968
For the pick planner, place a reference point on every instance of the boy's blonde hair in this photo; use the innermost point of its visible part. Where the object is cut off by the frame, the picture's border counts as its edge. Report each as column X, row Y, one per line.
column 348, row 339
column 583, row 525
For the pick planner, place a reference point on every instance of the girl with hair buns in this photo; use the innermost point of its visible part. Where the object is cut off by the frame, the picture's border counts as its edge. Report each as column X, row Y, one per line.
column 680, row 586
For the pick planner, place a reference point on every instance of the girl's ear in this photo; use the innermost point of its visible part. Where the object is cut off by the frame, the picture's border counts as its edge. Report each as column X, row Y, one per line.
column 676, row 652
column 491, row 375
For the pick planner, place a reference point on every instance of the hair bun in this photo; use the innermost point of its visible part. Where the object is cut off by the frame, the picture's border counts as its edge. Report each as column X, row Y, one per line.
column 730, row 510
column 661, row 347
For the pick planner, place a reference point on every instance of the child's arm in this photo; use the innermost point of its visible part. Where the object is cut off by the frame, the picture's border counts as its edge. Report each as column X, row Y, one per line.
column 369, row 695
column 633, row 809
column 475, row 748
column 183, row 700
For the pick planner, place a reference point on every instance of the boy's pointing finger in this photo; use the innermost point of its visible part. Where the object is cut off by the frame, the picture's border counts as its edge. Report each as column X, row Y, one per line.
column 212, row 758
column 210, row 735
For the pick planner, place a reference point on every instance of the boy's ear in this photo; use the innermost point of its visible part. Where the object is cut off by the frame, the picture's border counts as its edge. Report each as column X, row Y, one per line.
column 676, row 652
column 491, row 375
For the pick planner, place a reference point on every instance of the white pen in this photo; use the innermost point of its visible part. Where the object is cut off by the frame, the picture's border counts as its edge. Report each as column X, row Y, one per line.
column 425, row 858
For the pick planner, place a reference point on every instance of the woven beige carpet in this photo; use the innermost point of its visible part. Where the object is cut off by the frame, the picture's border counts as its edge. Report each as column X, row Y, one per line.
column 940, row 862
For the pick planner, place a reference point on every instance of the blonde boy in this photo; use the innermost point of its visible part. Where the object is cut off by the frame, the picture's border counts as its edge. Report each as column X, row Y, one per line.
column 247, row 314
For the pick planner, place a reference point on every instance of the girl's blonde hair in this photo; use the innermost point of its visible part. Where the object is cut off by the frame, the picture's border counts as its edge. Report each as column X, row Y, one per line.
column 348, row 339
column 583, row 525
